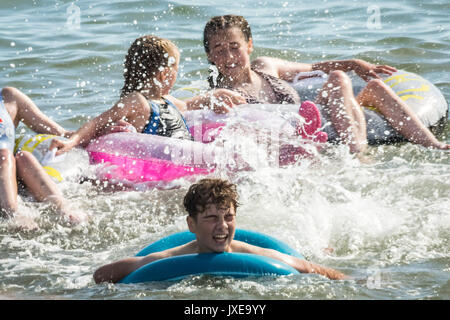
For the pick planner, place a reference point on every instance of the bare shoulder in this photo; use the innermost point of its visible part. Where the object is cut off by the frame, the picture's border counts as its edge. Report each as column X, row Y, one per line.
column 280, row 68
column 180, row 104
column 243, row 247
column 132, row 98
column 188, row 248
column 267, row 65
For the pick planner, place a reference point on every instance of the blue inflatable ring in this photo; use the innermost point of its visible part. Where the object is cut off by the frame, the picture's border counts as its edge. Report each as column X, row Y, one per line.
column 221, row 264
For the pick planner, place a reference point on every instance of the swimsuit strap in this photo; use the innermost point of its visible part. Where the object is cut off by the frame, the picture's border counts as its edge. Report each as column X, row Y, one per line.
column 248, row 97
column 178, row 111
column 153, row 125
column 155, row 118
column 284, row 93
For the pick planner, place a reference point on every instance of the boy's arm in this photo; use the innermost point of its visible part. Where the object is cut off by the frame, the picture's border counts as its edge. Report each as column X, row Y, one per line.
column 310, row 267
column 300, row 265
column 114, row 272
column 37, row 121
column 304, row 266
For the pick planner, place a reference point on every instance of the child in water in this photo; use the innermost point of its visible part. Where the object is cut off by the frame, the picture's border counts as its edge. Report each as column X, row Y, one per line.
column 15, row 106
column 145, row 106
column 228, row 44
column 211, row 205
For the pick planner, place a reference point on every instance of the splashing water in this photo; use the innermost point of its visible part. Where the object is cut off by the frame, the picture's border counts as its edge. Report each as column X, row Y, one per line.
column 387, row 220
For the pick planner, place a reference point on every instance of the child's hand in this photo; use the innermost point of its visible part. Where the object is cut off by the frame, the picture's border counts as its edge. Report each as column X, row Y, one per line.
column 61, row 146
column 367, row 70
column 68, row 134
column 223, row 100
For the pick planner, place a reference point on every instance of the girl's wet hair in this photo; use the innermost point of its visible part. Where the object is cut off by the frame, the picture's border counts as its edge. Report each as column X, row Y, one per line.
column 210, row 191
column 147, row 56
column 216, row 24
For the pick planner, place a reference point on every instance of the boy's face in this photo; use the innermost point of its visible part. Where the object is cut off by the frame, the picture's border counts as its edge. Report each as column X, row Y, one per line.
column 214, row 228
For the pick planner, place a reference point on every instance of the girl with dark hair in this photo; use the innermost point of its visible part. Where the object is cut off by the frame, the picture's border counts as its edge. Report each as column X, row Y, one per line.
column 228, row 44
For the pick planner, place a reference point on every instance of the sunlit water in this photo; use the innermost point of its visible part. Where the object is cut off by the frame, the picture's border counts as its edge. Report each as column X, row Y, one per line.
column 387, row 220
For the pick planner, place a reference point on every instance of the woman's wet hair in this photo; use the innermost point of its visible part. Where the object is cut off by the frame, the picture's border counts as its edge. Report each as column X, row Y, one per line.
column 216, row 24
column 210, row 191
column 147, row 56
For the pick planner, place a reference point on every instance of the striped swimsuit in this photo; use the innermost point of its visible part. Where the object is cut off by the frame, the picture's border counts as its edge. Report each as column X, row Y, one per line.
column 284, row 93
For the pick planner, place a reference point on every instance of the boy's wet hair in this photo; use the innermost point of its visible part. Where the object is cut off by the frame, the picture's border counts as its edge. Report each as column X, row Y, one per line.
column 147, row 56
column 223, row 23
column 210, row 191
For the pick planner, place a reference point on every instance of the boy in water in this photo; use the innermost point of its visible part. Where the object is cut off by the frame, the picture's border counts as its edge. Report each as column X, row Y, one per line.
column 211, row 205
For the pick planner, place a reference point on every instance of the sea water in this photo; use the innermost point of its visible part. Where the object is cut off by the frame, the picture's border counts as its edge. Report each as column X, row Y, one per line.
column 387, row 220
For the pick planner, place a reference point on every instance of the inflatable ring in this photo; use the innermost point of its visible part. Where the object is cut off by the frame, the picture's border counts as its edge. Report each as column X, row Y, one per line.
column 38, row 146
column 141, row 160
column 418, row 93
column 137, row 158
column 221, row 264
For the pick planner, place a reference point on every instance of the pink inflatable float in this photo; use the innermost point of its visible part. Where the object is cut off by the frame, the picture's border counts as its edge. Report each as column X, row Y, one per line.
column 135, row 158
column 289, row 120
